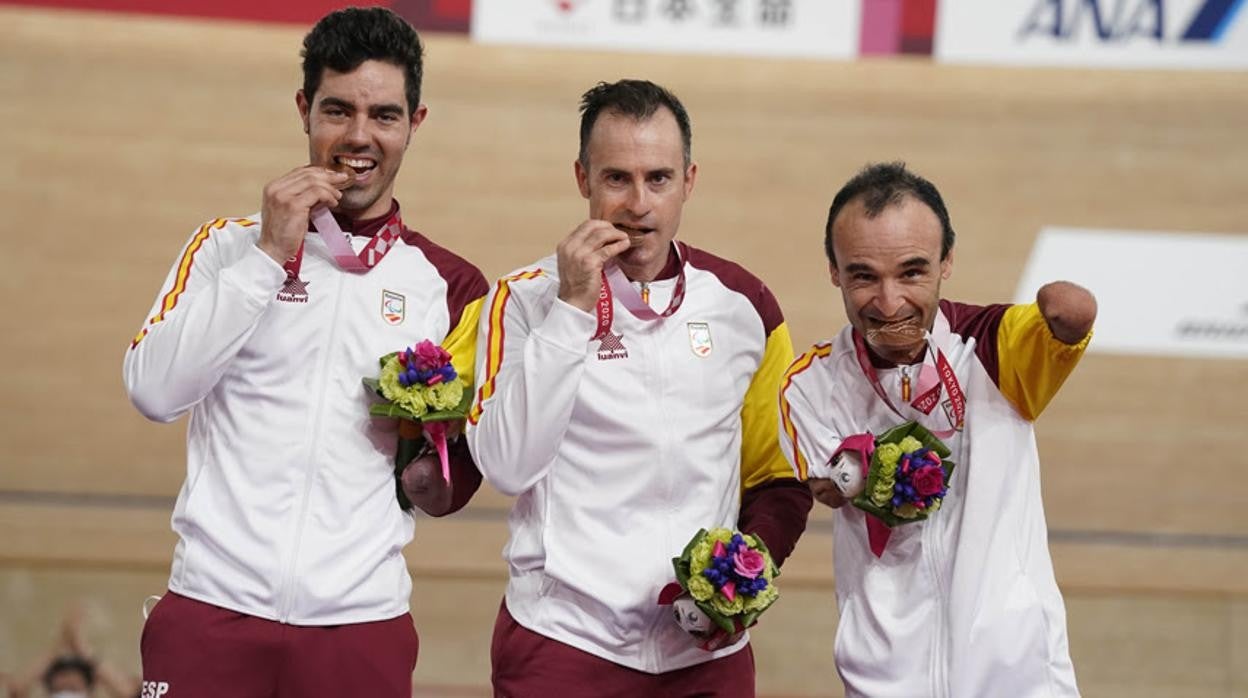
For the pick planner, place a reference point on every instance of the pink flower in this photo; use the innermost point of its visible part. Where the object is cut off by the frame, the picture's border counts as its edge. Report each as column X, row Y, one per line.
column 928, row 480
column 430, row 357
column 748, row 563
column 719, row 550
column 729, row 590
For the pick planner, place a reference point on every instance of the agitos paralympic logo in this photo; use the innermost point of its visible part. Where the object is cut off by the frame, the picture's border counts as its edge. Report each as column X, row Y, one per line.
column 1120, row 20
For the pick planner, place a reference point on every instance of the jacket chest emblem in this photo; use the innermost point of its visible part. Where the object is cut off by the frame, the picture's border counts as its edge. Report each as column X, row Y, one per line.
column 294, row 291
column 393, row 307
column 700, row 339
column 612, row 347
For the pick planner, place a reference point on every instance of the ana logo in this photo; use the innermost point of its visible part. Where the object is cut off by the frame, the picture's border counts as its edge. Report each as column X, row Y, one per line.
column 295, row 291
column 566, row 6
column 1119, row 20
column 612, row 347
column 393, row 307
column 700, row 339
column 154, row 689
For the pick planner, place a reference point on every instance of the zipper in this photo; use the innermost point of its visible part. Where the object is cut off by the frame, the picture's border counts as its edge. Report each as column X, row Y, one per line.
column 938, row 673
column 287, row 596
column 654, row 344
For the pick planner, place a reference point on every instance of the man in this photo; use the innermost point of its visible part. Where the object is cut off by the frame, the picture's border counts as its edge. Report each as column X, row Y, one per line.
column 626, row 416
column 289, row 578
column 963, row 603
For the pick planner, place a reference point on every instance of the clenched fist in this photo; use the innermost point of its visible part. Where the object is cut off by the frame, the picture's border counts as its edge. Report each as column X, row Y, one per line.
column 288, row 202
column 581, row 256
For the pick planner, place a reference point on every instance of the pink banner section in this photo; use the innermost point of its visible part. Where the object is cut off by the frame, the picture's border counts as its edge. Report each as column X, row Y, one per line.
column 431, row 15
column 881, row 27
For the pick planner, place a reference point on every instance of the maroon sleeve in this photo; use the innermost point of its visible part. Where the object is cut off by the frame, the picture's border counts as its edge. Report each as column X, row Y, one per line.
column 734, row 277
column 464, row 282
column 776, row 511
column 980, row 322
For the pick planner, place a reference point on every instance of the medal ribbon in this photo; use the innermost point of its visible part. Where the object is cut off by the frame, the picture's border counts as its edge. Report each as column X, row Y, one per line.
column 927, row 400
column 616, row 285
column 340, row 248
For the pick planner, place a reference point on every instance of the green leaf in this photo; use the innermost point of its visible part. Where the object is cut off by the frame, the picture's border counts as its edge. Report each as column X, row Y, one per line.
column 693, row 543
column 382, row 361
column 893, row 436
column 718, row 618
column 459, row 411
column 681, row 566
column 406, row 450
column 389, row 409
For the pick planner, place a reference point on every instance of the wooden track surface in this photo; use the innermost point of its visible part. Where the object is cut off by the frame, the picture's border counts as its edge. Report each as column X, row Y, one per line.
column 122, row 134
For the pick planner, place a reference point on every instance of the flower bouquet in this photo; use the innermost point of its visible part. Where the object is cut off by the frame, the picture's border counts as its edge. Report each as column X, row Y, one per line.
column 908, row 477
column 420, row 387
column 898, row 477
column 725, row 580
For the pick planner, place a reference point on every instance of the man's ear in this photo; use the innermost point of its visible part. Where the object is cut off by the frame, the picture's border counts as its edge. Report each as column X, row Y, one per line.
column 305, row 109
column 418, row 117
column 582, row 178
column 946, row 266
column 691, row 175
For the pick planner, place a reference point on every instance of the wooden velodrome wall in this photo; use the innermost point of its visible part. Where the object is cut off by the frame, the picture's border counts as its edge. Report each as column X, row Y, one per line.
column 122, row 134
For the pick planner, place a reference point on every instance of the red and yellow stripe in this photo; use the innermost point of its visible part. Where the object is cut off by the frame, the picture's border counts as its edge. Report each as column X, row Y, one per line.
column 184, row 270
column 790, row 431
column 495, row 337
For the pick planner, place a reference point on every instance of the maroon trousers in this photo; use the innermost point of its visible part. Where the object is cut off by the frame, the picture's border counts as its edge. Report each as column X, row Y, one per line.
column 529, row 665
column 192, row 649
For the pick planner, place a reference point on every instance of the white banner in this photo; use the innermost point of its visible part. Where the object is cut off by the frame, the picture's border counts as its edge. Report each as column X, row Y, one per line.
column 1094, row 33
column 1176, row 294
column 806, row 28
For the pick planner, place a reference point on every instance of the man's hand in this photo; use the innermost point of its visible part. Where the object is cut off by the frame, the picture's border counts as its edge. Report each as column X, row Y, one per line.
column 825, row 491
column 288, row 202
column 581, row 255
column 424, row 486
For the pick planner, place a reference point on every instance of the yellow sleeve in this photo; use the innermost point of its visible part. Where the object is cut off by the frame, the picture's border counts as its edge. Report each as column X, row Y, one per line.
column 1033, row 363
column 462, row 341
column 761, row 458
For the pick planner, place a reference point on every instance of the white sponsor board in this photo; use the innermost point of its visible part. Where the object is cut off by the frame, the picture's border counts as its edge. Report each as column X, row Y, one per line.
column 806, row 28
column 1095, row 33
column 1167, row 294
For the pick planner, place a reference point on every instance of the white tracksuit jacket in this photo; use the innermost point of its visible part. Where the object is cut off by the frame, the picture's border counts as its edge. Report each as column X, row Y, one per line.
column 288, row 511
column 621, row 449
column 964, row 604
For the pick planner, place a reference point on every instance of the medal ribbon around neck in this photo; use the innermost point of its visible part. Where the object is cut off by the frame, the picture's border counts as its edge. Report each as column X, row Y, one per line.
column 928, row 399
column 616, row 285
column 340, row 248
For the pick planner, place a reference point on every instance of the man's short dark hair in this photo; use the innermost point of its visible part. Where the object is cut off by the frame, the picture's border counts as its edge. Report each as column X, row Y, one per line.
column 344, row 39
column 69, row 663
column 638, row 99
column 880, row 185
